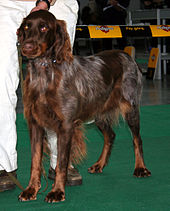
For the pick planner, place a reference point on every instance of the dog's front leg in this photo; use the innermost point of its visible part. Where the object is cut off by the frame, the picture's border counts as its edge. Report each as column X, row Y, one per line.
column 63, row 153
column 36, row 138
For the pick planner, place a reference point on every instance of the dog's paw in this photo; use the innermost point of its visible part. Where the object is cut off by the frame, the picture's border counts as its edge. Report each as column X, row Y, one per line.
column 56, row 196
column 95, row 169
column 142, row 172
column 28, row 194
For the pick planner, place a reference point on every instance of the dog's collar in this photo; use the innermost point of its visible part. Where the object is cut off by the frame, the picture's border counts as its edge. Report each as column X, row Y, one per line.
column 45, row 64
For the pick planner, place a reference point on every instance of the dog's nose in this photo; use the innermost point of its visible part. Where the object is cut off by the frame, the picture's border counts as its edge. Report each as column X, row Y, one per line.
column 28, row 47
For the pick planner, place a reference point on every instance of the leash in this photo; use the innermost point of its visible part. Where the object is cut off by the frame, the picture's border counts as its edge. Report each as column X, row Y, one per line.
column 45, row 177
column 15, row 180
column 18, row 184
column 12, row 177
column 20, row 67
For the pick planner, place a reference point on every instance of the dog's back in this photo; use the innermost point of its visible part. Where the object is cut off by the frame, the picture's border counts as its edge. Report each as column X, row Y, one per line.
column 104, row 83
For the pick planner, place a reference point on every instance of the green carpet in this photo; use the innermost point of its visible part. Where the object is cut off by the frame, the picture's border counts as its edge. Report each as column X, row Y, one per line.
column 115, row 189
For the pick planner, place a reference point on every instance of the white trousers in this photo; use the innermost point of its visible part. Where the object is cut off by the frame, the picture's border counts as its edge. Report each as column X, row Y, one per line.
column 12, row 13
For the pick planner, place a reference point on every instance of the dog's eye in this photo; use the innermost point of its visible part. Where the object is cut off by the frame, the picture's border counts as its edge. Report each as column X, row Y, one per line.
column 26, row 27
column 44, row 29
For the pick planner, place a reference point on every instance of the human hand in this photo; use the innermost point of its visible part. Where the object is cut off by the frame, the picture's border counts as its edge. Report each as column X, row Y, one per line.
column 147, row 3
column 113, row 2
column 41, row 6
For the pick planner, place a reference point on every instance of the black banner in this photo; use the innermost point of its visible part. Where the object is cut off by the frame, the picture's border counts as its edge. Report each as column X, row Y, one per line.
column 109, row 31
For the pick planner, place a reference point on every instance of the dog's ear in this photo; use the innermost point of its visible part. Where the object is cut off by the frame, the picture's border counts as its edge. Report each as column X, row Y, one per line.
column 62, row 46
column 20, row 32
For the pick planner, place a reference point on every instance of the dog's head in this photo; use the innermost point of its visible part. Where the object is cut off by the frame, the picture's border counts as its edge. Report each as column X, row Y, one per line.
column 41, row 34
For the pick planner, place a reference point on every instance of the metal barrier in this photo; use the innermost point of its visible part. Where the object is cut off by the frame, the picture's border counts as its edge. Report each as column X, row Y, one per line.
column 160, row 15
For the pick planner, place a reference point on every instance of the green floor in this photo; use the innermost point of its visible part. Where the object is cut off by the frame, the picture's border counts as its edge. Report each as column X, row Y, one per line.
column 115, row 189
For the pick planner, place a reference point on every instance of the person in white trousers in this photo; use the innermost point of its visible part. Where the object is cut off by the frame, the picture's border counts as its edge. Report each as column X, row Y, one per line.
column 12, row 13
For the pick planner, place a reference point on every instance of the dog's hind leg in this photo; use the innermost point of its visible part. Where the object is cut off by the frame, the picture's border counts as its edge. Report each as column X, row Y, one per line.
column 132, row 118
column 36, row 138
column 131, row 92
column 109, row 137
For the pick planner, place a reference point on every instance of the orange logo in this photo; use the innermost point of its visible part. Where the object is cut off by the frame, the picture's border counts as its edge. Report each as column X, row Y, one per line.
column 104, row 29
column 165, row 28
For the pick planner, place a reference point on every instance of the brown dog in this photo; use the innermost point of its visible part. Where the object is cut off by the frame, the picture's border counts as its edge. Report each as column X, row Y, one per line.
column 61, row 91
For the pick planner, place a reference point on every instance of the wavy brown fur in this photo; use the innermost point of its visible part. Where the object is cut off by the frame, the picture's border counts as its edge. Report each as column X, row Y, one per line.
column 62, row 91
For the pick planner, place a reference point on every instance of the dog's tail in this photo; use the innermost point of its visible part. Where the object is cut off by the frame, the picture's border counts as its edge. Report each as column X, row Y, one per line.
column 78, row 145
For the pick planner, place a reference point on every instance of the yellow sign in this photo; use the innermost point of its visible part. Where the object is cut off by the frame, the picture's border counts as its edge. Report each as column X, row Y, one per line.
column 153, row 57
column 160, row 30
column 130, row 50
column 105, row 31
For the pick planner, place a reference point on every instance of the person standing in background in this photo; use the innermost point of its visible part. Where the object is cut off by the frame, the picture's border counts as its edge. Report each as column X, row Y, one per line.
column 113, row 13
column 153, row 4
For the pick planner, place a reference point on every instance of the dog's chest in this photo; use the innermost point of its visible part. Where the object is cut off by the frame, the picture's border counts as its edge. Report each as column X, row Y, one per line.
column 41, row 76
column 41, row 96
column 45, row 111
